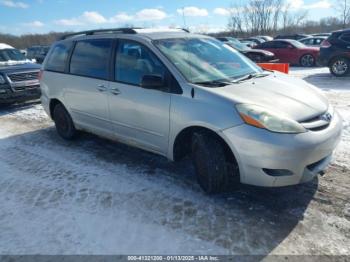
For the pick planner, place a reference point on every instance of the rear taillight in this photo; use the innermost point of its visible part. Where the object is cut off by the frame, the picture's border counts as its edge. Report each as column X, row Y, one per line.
column 40, row 75
column 325, row 43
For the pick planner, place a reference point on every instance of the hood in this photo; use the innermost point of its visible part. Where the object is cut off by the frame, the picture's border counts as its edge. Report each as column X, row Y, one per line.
column 19, row 67
column 266, row 53
column 278, row 92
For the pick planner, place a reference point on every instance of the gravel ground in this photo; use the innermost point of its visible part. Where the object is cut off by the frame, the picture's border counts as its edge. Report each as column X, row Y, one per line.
column 93, row 196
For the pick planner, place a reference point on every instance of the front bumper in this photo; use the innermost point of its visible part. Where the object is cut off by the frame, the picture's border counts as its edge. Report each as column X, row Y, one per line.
column 300, row 156
column 7, row 95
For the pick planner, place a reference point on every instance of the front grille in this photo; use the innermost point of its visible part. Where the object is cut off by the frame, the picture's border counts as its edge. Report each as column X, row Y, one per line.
column 24, row 76
column 317, row 123
column 25, row 88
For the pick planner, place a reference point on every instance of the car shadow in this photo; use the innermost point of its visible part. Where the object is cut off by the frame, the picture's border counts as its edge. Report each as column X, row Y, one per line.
column 246, row 220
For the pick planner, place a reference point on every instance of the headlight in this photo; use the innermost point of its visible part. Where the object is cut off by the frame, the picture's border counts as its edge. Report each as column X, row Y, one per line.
column 2, row 80
column 261, row 117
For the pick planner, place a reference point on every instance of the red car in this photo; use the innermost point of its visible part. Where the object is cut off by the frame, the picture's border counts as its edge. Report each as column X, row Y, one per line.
column 292, row 52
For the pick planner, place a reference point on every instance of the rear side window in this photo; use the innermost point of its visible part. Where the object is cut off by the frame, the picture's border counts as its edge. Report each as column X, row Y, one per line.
column 318, row 41
column 58, row 57
column 91, row 58
column 308, row 41
column 280, row 44
column 267, row 45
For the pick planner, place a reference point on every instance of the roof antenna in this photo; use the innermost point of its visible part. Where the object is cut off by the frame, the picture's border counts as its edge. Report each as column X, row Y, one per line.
column 184, row 18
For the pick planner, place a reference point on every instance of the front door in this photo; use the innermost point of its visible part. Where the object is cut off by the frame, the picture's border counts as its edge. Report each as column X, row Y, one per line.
column 139, row 116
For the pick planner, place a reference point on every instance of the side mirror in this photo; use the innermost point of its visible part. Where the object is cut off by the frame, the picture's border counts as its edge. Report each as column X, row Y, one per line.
column 290, row 47
column 152, row 82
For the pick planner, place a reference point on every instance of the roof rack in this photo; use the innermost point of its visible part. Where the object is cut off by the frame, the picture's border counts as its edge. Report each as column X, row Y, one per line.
column 101, row 31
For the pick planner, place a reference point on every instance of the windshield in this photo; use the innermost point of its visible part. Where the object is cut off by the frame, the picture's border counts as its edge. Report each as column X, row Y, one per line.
column 297, row 43
column 11, row 54
column 206, row 60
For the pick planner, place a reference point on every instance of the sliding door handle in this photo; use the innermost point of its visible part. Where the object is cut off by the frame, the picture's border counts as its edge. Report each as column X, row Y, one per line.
column 102, row 88
column 115, row 91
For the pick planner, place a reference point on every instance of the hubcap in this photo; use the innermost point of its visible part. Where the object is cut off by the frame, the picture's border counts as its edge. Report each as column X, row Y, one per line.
column 340, row 67
column 307, row 60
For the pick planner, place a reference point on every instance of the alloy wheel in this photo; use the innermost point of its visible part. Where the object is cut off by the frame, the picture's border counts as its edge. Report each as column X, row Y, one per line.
column 307, row 60
column 340, row 67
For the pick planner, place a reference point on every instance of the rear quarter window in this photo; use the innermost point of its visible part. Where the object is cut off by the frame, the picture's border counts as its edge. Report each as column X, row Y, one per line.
column 58, row 57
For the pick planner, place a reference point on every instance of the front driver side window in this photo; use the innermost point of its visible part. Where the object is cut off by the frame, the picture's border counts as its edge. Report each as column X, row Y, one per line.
column 133, row 61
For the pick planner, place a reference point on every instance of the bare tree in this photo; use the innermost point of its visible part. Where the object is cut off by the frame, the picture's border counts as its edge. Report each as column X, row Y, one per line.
column 236, row 22
column 343, row 8
column 292, row 20
column 256, row 16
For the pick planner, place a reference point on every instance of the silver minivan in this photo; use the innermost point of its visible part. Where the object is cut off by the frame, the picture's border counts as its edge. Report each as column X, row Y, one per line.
column 177, row 94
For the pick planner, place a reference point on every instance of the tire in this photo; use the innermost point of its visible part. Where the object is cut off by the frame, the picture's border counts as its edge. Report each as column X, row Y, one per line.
column 63, row 122
column 307, row 60
column 215, row 172
column 339, row 66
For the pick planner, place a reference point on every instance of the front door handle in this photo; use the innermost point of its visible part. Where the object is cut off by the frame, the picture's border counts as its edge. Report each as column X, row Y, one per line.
column 102, row 88
column 115, row 91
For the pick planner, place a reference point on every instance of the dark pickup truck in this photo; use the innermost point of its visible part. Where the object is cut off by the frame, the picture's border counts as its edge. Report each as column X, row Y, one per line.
column 19, row 77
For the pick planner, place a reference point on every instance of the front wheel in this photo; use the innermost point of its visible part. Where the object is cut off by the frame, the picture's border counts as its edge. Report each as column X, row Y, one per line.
column 340, row 67
column 63, row 122
column 307, row 60
column 215, row 170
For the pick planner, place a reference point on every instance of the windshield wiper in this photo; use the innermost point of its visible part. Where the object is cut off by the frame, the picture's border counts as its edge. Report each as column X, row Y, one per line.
column 214, row 83
column 248, row 77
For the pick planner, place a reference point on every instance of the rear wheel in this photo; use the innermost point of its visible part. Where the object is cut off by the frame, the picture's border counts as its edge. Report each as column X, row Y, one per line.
column 340, row 66
column 216, row 170
column 63, row 122
column 307, row 60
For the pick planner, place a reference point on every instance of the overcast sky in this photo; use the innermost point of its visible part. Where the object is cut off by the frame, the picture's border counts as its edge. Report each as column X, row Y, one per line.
column 39, row 16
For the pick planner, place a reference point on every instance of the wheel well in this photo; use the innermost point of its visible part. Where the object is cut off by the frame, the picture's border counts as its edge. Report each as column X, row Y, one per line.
column 183, row 143
column 53, row 103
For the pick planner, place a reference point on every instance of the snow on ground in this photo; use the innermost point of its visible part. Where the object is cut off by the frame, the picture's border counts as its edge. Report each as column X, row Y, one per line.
column 93, row 196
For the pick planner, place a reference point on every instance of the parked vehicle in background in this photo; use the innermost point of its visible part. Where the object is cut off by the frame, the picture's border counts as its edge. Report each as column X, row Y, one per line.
column 313, row 41
column 265, row 37
column 254, row 39
column 178, row 94
column 256, row 55
column 335, row 53
column 38, row 53
column 293, row 37
column 248, row 43
column 292, row 52
column 322, row 34
column 18, row 76
column 23, row 52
